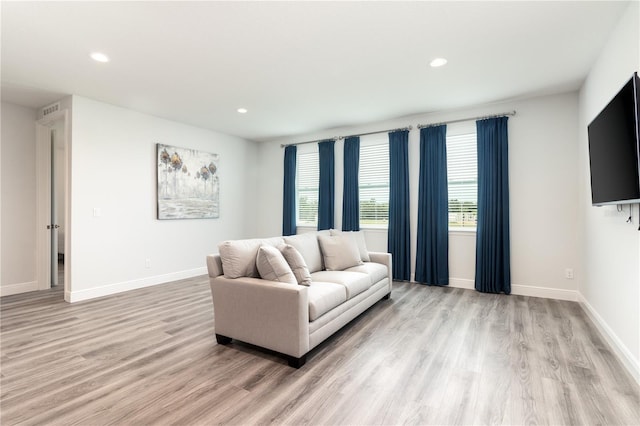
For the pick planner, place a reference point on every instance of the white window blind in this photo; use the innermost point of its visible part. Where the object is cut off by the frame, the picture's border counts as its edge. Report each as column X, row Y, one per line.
column 373, row 182
column 462, row 177
column 307, row 184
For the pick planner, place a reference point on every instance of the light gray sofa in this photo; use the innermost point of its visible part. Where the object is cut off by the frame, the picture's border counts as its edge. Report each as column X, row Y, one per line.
column 290, row 318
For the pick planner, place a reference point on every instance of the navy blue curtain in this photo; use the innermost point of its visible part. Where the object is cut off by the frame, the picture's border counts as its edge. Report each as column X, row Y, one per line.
column 350, row 195
column 327, row 185
column 493, row 271
column 289, row 191
column 432, row 253
column 398, row 234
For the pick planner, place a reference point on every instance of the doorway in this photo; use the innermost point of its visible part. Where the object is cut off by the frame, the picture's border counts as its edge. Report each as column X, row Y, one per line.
column 52, row 165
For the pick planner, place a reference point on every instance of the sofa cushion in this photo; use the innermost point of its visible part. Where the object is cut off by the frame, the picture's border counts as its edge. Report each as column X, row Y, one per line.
column 358, row 237
column 376, row 271
column 354, row 282
column 296, row 263
column 239, row 256
column 339, row 252
column 323, row 297
column 307, row 245
column 272, row 265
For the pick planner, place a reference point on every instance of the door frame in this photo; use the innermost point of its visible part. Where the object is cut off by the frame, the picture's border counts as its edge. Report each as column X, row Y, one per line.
column 43, row 202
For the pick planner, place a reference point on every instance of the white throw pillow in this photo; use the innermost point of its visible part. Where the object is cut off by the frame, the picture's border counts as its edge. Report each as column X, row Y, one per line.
column 296, row 263
column 273, row 267
column 358, row 237
column 339, row 251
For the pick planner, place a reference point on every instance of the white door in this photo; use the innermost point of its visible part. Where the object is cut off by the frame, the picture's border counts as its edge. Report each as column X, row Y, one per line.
column 54, row 210
column 52, row 137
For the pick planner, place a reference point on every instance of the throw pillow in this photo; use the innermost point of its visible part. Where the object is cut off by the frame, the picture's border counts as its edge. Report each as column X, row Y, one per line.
column 239, row 256
column 339, row 251
column 307, row 245
column 358, row 237
column 296, row 263
column 273, row 267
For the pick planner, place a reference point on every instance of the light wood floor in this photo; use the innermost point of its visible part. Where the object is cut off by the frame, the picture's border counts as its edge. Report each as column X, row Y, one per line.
column 427, row 356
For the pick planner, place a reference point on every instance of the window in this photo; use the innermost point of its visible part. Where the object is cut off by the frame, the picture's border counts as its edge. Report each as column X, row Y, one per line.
column 462, row 177
column 373, row 180
column 307, row 184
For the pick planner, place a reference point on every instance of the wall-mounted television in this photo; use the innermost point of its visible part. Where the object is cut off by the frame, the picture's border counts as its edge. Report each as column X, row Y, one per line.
column 614, row 148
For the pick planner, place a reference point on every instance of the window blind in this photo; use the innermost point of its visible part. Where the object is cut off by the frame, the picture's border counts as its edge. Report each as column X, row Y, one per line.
column 462, row 177
column 374, row 182
column 307, row 183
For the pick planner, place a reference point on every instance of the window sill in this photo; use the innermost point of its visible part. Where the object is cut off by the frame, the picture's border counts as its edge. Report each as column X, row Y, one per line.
column 469, row 232
column 374, row 228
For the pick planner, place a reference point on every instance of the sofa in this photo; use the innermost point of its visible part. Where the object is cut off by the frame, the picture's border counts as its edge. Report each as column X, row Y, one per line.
column 326, row 280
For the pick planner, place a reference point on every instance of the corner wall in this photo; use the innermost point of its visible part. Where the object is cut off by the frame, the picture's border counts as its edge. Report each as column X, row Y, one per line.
column 18, row 198
column 543, row 193
column 610, row 291
column 113, row 168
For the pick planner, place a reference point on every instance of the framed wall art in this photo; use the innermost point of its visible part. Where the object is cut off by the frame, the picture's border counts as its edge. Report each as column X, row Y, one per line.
column 188, row 183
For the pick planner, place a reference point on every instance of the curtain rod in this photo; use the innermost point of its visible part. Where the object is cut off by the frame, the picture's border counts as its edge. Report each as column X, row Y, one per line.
column 484, row 117
column 283, row 145
column 379, row 131
column 350, row 136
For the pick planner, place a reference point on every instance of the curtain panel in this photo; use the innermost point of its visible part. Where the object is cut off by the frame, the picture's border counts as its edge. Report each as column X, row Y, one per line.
column 432, row 252
column 350, row 195
column 289, row 191
column 326, row 190
column 493, row 270
column 398, row 231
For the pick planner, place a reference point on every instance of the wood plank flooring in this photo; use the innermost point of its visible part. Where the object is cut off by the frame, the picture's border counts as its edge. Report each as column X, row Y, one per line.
column 429, row 355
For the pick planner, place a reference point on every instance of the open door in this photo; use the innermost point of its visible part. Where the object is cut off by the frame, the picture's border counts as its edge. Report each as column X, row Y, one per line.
column 52, row 216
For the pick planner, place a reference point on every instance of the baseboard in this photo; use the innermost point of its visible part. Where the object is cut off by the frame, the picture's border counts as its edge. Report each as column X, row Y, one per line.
column 523, row 290
column 109, row 289
column 624, row 355
column 9, row 289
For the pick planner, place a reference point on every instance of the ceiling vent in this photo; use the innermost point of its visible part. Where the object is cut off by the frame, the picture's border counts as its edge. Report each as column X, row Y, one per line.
column 50, row 109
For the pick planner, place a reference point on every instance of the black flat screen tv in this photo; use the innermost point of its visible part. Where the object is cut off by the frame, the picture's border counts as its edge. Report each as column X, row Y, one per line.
column 614, row 148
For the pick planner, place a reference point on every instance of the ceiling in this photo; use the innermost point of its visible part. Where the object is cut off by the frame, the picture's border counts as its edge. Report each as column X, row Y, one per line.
column 298, row 67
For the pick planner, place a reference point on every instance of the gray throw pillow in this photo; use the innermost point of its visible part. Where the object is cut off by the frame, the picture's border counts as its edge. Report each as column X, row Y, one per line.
column 273, row 267
column 296, row 263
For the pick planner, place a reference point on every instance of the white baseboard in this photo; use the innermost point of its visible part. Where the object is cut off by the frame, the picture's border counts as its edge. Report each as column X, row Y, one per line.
column 523, row 290
column 9, row 289
column 626, row 357
column 106, row 290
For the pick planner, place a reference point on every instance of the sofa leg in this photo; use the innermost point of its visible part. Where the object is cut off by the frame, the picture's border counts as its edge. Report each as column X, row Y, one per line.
column 297, row 362
column 223, row 340
column 387, row 296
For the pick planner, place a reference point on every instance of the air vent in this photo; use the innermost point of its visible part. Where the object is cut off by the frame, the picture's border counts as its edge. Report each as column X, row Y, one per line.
column 50, row 109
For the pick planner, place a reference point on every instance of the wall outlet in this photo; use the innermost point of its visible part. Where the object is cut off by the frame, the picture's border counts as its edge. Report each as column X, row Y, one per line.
column 147, row 263
column 568, row 273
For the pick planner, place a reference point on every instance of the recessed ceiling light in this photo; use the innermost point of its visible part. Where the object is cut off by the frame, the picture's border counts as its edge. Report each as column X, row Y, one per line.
column 99, row 57
column 242, row 110
column 438, row 62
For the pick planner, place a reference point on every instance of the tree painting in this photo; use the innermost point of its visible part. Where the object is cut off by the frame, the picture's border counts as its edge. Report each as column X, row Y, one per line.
column 187, row 196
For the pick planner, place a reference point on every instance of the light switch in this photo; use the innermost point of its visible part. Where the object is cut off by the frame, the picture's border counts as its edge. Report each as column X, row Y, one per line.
column 96, row 212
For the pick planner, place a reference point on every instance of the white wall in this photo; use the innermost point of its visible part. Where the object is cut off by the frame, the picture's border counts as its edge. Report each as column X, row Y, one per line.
column 543, row 188
column 611, row 247
column 18, row 197
column 114, row 169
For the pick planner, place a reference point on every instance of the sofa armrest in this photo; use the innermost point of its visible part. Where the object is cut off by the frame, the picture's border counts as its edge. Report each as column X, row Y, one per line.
column 270, row 314
column 214, row 265
column 385, row 259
